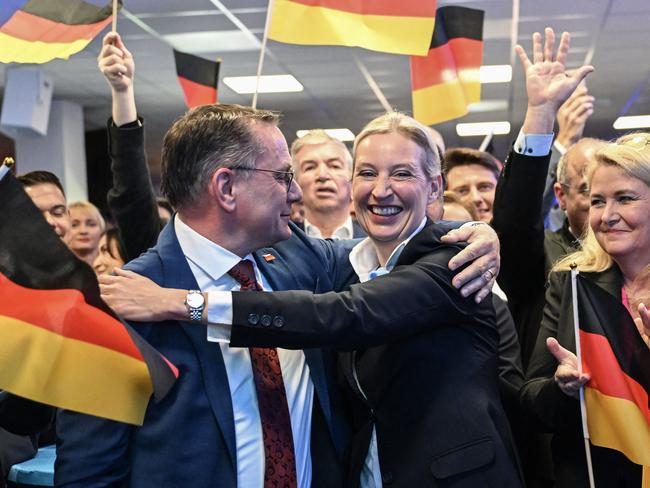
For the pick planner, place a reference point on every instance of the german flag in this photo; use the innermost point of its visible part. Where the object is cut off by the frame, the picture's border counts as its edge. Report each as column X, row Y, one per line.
column 61, row 344
column 618, row 360
column 199, row 78
column 38, row 31
column 446, row 80
column 400, row 27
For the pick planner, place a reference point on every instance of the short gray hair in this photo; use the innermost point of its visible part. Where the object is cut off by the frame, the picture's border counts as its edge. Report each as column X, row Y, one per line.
column 314, row 137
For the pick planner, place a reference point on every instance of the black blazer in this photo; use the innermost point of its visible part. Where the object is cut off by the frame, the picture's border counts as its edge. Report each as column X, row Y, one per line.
column 432, row 387
column 553, row 411
column 527, row 251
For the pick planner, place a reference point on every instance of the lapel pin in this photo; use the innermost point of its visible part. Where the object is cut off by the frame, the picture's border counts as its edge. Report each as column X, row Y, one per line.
column 268, row 257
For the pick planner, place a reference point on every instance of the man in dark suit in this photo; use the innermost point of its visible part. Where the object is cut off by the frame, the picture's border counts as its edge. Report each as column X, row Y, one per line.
column 208, row 431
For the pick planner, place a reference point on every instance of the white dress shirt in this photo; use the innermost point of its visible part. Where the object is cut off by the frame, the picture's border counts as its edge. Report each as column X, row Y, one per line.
column 210, row 264
column 346, row 231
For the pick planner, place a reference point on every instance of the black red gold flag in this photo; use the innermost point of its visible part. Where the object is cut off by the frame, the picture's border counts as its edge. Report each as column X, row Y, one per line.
column 447, row 80
column 400, row 27
column 38, row 31
column 61, row 344
column 199, row 78
column 618, row 360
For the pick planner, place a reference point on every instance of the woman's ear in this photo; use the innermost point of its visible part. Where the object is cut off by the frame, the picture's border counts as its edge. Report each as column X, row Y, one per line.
column 221, row 189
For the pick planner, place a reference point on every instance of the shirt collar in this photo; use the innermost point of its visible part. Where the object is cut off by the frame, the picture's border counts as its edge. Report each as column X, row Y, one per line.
column 365, row 262
column 214, row 260
column 343, row 232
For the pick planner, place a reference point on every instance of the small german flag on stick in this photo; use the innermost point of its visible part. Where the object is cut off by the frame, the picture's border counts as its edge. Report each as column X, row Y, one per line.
column 199, row 78
column 38, row 31
column 61, row 344
column 446, row 80
column 618, row 360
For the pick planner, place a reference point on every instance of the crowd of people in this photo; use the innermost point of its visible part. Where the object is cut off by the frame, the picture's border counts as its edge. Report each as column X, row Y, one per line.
column 414, row 327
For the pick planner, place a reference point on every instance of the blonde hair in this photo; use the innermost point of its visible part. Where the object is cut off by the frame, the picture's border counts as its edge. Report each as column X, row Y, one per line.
column 84, row 205
column 409, row 128
column 631, row 154
column 315, row 137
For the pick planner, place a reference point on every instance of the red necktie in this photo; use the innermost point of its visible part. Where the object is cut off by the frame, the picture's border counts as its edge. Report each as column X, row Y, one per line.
column 280, row 460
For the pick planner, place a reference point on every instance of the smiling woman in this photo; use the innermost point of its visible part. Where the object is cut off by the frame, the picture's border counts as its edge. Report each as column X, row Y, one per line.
column 614, row 254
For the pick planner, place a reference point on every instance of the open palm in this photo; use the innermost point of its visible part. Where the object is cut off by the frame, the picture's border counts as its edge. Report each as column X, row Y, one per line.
column 547, row 81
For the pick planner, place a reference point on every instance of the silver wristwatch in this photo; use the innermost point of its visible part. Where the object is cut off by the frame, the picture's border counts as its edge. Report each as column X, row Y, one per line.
column 195, row 302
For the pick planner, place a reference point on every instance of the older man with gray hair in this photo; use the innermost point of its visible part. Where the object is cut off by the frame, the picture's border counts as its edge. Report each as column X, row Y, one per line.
column 323, row 167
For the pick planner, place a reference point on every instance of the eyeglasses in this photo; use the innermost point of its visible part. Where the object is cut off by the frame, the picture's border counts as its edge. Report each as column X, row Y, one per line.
column 285, row 177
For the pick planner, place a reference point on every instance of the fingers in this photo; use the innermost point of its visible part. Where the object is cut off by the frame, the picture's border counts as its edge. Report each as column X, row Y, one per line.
column 561, row 354
column 470, row 253
column 582, row 72
column 523, row 57
column 563, row 48
column 538, row 53
column 481, row 273
column 549, row 44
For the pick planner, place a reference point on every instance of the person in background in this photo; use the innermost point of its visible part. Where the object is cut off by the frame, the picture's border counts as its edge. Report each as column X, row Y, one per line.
column 110, row 254
column 86, row 227
column 46, row 191
column 323, row 168
column 571, row 118
column 472, row 175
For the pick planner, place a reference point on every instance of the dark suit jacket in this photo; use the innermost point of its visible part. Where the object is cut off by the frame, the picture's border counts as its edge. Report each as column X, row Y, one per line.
column 434, row 397
column 553, row 411
column 527, row 252
column 188, row 439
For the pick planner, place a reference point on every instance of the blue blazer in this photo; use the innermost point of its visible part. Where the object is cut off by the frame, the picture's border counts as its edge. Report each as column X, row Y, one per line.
column 188, row 439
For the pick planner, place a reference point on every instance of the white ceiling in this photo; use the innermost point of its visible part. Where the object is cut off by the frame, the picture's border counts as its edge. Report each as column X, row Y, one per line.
column 612, row 34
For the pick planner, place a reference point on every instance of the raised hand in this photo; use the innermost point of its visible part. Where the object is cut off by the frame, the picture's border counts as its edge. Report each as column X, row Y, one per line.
column 572, row 116
column 116, row 63
column 548, row 84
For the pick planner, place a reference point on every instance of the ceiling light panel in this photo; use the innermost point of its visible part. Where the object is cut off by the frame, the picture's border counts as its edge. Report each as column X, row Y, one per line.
column 483, row 129
column 268, row 84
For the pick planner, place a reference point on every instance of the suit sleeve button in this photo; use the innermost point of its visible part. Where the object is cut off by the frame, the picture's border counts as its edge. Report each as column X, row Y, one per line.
column 265, row 320
column 253, row 319
column 278, row 321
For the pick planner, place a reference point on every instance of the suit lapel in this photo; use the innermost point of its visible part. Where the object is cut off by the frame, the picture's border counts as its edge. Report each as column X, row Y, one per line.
column 177, row 274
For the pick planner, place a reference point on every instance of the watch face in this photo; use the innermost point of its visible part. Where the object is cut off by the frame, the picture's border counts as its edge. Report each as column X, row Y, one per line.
column 194, row 300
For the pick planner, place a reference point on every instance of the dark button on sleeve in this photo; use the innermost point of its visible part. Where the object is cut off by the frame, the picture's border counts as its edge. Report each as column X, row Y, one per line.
column 253, row 319
column 278, row 321
column 265, row 320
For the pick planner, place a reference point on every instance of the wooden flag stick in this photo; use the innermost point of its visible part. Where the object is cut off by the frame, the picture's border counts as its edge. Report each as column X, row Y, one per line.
column 260, row 64
column 583, row 406
column 114, row 28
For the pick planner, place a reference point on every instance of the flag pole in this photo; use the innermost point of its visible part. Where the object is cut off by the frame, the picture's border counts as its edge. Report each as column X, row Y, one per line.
column 486, row 141
column 114, row 28
column 6, row 166
column 260, row 64
column 583, row 407
column 373, row 85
